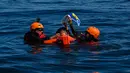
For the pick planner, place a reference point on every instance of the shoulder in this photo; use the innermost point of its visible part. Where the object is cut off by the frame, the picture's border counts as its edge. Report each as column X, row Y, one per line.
column 30, row 34
column 27, row 33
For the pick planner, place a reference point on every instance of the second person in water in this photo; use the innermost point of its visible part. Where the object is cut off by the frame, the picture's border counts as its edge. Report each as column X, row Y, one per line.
column 91, row 34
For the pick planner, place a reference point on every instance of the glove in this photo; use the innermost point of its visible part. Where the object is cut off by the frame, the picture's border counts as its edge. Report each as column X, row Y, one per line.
column 70, row 22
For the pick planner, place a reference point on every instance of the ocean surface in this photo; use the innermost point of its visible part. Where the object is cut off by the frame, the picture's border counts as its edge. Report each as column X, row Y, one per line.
column 111, row 55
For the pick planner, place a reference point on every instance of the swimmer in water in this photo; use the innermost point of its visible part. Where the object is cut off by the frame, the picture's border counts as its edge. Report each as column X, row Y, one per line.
column 36, row 34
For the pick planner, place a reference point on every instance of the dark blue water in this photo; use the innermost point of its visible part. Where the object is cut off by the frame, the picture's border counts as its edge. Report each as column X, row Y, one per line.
column 112, row 55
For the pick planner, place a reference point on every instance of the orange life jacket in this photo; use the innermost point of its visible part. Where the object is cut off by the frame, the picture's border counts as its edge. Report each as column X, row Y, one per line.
column 66, row 40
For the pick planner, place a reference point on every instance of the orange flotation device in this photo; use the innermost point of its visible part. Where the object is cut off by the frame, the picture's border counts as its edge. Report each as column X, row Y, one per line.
column 66, row 40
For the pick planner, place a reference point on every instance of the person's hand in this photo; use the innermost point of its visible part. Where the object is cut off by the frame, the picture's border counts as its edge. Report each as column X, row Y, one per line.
column 58, row 34
column 69, row 20
column 55, row 36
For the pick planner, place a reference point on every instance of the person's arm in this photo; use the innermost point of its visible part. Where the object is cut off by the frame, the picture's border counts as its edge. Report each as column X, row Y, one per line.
column 66, row 20
column 55, row 36
column 72, row 28
column 67, row 29
column 50, row 41
column 25, row 38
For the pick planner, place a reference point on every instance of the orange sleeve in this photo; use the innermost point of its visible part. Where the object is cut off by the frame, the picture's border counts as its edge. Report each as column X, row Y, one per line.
column 50, row 41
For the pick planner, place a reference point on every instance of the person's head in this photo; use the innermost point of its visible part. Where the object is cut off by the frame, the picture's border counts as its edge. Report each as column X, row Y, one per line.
column 63, row 32
column 92, row 32
column 36, row 27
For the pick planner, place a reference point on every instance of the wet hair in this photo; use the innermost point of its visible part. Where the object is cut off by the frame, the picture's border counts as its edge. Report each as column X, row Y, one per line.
column 60, row 29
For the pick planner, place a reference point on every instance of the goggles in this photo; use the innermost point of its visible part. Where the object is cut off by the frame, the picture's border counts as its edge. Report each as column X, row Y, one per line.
column 39, row 29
